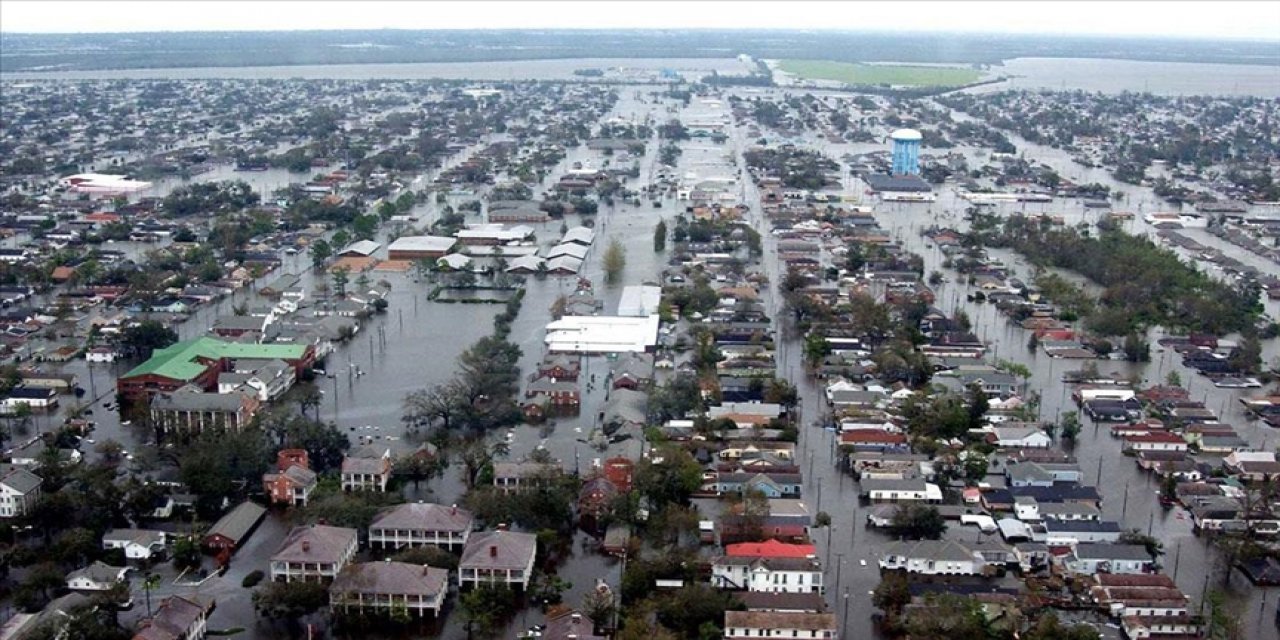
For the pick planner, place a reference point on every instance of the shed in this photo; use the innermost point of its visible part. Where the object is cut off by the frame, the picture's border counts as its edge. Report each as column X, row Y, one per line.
column 234, row 527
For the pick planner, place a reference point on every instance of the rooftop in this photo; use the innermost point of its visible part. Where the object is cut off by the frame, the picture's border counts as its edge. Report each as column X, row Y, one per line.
column 182, row 360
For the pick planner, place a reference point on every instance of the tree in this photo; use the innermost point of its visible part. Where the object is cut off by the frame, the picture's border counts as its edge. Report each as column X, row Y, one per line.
column 1224, row 621
column 186, row 553
column 486, row 607
column 1069, row 425
column 660, row 237
column 672, row 480
column 918, row 522
column 324, row 443
column 892, row 595
column 1048, row 627
column 341, row 276
column 290, row 600
column 947, row 616
column 429, row 555
column 599, row 606
column 615, row 260
column 816, row 349
column 141, row 339
column 321, row 251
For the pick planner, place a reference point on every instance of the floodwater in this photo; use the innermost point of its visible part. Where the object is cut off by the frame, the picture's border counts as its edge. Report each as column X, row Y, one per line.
column 561, row 69
column 1107, row 75
column 416, row 342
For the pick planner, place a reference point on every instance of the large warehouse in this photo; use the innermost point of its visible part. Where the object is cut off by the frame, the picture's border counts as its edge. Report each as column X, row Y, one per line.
column 419, row 247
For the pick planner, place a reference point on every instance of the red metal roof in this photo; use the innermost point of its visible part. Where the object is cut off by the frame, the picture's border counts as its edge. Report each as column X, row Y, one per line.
column 770, row 549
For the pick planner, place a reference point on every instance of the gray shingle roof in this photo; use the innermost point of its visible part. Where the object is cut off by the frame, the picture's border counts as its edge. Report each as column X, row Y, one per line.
column 398, row 578
column 423, row 517
column 326, row 544
column 499, row 550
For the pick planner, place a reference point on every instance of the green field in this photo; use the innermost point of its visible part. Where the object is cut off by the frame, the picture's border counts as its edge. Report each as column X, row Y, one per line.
column 876, row 74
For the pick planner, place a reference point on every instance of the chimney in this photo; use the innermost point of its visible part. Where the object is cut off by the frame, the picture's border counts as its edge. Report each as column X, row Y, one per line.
column 576, row 617
column 306, row 546
column 387, row 560
column 493, row 551
column 426, row 569
column 453, row 510
column 502, row 526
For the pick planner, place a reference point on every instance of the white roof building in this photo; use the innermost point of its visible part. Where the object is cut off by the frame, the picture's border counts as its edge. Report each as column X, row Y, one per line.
column 639, row 300
column 602, row 334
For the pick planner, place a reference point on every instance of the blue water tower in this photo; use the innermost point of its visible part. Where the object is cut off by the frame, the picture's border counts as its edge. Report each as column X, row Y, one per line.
column 906, row 152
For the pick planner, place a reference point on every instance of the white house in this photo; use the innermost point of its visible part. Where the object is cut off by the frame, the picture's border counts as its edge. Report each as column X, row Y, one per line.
column 19, row 491
column 138, row 544
column 503, row 557
column 1026, row 509
column 1089, row 559
column 98, row 576
column 100, row 354
column 318, row 552
column 768, row 575
column 933, row 558
column 1019, row 437
column 911, row 490
column 741, row 625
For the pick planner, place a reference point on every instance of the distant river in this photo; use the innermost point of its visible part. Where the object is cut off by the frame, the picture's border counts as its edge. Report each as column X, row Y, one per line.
column 1115, row 76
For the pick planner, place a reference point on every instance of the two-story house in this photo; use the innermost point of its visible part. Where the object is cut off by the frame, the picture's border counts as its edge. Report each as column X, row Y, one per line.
column 772, row 567
column 384, row 587
column 420, row 524
column 367, row 468
column 503, row 557
column 19, row 491
column 293, row 480
column 313, row 553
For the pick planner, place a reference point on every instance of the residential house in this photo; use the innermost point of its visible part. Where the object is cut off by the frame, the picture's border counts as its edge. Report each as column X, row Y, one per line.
column 770, row 566
column 19, row 491
column 98, row 576
column 560, row 393
column 421, row 524
column 1089, row 559
column 191, row 410
column 1019, row 437
column 1155, row 441
column 932, row 557
column 632, row 371
column 744, row 625
column 234, row 527
column 772, row 485
column 179, row 617
column 561, row 366
column 1067, row 532
column 569, row 625
column 317, row 552
column 504, row 557
column 138, row 544
column 384, row 587
column 872, row 440
column 367, row 468
column 595, row 498
column 513, row 476
column 293, row 480
column 910, row 490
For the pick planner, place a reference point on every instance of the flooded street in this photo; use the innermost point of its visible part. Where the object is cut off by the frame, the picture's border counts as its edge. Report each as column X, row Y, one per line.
column 415, row 345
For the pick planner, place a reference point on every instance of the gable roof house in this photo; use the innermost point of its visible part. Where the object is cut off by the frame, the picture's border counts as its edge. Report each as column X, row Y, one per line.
column 234, row 527
column 177, row 618
column 19, row 491
column 293, row 480
column 138, row 544
column 367, row 468
column 932, row 557
column 98, row 576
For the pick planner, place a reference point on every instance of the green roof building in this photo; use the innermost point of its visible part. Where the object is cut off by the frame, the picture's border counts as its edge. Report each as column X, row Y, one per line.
column 199, row 361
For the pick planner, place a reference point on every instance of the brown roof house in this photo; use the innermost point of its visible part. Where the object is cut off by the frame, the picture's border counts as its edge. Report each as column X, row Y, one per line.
column 381, row 587
column 293, row 479
column 740, row 625
column 501, row 556
column 367, row 468
column 420, row 524
column 594, row 499
column 234, row 527
column 317, row 552
column 178, row 618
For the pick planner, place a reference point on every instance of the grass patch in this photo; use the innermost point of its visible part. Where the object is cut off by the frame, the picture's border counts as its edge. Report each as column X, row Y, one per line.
column 876, row 74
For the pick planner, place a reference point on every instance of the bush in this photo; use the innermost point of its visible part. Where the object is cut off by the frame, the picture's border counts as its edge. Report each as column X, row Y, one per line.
column 250, row 581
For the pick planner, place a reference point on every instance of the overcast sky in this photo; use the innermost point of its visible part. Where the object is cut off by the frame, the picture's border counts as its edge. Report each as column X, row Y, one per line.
column 1257, row 20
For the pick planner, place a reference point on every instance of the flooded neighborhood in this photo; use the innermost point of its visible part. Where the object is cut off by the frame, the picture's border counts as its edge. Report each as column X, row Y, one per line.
column 639, row 347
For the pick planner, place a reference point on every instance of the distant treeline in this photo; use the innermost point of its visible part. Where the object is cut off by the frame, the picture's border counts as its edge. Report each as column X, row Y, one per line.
column 53, row 52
